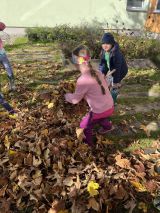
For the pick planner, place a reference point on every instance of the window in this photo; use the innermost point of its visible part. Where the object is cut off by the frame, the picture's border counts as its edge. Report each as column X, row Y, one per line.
column 157, row 6
column 137, row 5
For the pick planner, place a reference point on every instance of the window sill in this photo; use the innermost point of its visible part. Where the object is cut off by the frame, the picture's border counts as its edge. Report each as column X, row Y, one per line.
column 132, row 9
column 156, row 11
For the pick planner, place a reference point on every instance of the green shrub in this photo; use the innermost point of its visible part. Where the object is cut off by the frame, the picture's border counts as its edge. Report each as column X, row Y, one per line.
column 90, row 34
column 69, row 37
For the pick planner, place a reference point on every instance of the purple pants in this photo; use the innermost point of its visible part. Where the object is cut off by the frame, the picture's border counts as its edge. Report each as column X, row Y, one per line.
column 91, row 119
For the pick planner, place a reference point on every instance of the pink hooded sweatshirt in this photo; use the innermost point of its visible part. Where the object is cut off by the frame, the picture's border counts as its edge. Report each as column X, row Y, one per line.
column 1, row 44
column 88, row 88
column 2, row 51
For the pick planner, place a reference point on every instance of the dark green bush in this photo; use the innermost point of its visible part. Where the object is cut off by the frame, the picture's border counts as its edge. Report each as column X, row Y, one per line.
column 68, row 37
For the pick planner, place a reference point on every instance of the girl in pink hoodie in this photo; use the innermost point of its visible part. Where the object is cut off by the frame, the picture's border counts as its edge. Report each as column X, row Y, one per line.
column 92, row 87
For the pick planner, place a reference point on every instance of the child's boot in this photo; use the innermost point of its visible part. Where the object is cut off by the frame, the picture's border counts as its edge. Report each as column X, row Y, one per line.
column 12, row 86
column 6, row 105
column 114, row 93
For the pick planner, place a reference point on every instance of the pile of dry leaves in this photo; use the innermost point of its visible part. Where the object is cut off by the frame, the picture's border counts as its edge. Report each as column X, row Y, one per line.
column 45, row 168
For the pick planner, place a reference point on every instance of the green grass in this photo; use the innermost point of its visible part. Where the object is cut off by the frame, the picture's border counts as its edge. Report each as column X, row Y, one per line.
column 129, row 101
column 142, row 143
column 21, row 40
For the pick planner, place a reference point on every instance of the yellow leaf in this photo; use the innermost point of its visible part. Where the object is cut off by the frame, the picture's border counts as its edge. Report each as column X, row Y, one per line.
column 143, row 206
column 50, row 105
column 80, row 134
column 138, row 186
column 6, row 142
column 14, row 116
column 92, row 188
column 45, row 132
column 12, row 152
column 93, row 204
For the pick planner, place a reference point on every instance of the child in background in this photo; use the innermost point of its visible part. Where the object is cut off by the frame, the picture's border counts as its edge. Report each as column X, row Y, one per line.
column 92, row 87
column 112, row 64
column 5, row 62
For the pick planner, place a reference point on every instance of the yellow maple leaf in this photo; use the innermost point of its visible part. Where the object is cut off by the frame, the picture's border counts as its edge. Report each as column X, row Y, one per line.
column 50, row 105
column 92, row 188
column 138, row 186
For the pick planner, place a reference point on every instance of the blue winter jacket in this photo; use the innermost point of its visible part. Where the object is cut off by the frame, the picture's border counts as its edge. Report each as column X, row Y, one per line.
column 117, row 62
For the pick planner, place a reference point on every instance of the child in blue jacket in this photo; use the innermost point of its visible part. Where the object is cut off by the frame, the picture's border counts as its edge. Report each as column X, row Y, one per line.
column 112, row 63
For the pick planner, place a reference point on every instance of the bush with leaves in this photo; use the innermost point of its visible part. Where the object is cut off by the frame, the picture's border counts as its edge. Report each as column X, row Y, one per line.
column 90, row 34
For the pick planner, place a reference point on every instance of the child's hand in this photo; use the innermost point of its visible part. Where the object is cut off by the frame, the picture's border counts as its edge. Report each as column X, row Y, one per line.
column 116, row 86
column 67, row 97
column 111, row 72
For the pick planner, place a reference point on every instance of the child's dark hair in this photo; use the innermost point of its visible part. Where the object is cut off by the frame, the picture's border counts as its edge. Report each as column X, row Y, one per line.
column 77, row 52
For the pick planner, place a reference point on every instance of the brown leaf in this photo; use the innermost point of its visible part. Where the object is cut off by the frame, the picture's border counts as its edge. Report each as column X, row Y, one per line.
column 146, row 130
column 78, row 183
column 93, row 204
column 2, row 191
column 118, row 191
column 3, row 181
column 5, row 206
column 68, row 181
column 130, row 205
column 29, row 160
column 139, row 167
column 122, row 162
column 151, row 186
column 121, row 193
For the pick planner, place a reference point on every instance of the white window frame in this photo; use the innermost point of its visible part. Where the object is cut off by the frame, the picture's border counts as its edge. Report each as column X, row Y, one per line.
column 144, row 7
column 157, row 10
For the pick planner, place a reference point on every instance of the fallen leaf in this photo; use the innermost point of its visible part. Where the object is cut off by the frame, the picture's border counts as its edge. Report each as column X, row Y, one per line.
column 36, row 161
column 143, row 206
column 93, row 204
column 57, row 206
column 92, row 188
column 138, row 186
column 7, row 142
column 3, row 190
column 146, row 130
column 50, row 105
column 130, row 205
column 122, row 162
column 151, row 186
column 68, row 181
column 80, row 134
column 121, row 193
